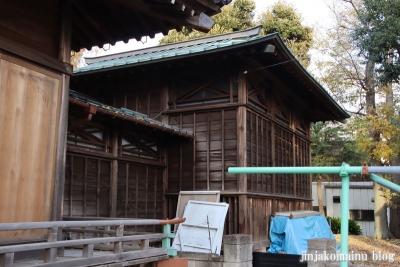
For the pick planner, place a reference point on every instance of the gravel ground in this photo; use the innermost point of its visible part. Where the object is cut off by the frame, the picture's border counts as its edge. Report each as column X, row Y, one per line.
column 383, row 250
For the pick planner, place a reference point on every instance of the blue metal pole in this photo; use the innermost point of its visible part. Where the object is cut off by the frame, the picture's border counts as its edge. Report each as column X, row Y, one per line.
column 344, row 210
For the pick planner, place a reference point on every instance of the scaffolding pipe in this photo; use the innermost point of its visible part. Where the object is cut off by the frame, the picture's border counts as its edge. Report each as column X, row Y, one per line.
column 344, row 172
column 382, row 181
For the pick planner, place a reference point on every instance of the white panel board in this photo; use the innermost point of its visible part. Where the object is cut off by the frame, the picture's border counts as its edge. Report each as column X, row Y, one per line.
column 203, row 229
column 185, row 196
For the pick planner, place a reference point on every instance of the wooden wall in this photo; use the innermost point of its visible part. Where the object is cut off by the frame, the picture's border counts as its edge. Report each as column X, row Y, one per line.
column 87, row 186
column 114, row 169
column 141, row 92
column 32, row 23
column 203, row 163
column 29, row 114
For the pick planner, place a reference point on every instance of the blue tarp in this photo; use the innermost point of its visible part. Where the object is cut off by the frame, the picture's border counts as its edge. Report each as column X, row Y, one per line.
column 291, row 235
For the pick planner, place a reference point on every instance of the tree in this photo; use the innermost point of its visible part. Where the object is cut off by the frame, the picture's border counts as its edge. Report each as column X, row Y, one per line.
column 282, row 18
column 353, row 77
column 234, row 17
column 378, row 35
column 332, row 144
column 378, row 38
column 77, row 58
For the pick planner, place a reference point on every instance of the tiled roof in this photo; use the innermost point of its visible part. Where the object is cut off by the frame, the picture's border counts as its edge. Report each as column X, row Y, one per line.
column 216, row 43
column 126, row 114
column 170, row 51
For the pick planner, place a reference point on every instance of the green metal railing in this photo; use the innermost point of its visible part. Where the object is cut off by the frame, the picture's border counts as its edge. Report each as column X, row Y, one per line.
column 344, row 172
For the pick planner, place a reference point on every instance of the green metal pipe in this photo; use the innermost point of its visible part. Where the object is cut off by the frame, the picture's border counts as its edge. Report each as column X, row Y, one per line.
column 344, row 172
column 382, row 181
column 344, row 210
column 289, row 170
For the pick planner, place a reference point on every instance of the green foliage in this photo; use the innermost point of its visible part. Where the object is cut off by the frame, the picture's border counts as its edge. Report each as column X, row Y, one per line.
column 282, row 18
column 335, row 223
column 332, row 144
column 386, row 120
column 354, row 228
column 378, row 36
column 234, row 17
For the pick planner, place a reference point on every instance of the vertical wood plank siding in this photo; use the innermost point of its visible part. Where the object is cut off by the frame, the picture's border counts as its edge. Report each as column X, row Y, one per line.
column 29, row 111
column 216, row 135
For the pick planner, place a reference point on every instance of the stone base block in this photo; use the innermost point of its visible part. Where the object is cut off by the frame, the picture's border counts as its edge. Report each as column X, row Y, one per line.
column 238, row 264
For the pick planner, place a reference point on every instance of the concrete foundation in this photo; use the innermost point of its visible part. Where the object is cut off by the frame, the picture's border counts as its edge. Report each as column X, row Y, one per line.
column 237, row 252
column 322, row 253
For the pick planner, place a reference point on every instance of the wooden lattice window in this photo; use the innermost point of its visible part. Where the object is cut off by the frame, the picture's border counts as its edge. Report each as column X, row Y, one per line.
column 89, row 135
column 258, row 95
column 139, row 145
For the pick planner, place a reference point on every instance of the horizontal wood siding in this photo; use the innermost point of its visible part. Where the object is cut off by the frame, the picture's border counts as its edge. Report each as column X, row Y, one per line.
column 29, row 114
column 202, row 164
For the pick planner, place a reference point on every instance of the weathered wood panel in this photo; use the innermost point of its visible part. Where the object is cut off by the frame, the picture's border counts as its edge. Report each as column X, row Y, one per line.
column 87, row 186
column 203, row 164
column 29, row 112
column 141, row 94
column 32, row 23
column 140, row 193
column 303, row 158
column 259, row 151
column 284, row 157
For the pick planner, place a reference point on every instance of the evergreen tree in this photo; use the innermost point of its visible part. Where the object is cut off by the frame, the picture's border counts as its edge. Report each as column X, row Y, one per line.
column 234, row 17
column 282, row 18
column 378, row 36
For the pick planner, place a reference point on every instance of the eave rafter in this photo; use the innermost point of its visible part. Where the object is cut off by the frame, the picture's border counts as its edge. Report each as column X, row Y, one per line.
column 200, row 22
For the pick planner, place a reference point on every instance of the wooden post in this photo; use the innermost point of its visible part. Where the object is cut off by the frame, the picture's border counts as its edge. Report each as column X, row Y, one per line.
column 144, row 244
column 118, row 245
column 6, row 260
column 59, row 182
column 87, row 251
column 50, row 254
column 114, row 173
column 242, row 153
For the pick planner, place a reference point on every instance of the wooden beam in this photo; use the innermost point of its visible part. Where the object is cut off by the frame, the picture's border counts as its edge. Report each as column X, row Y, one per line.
column 91, row 21
column 64, row 55
column 35, row 56
column 200, row 22
column 114, row 173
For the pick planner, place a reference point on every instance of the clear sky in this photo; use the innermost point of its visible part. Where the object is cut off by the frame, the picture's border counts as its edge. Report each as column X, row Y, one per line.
column 314, row 13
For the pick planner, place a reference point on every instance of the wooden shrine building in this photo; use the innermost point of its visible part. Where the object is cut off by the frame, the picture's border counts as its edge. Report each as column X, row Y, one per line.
column 147, row 124
column 36, row 39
